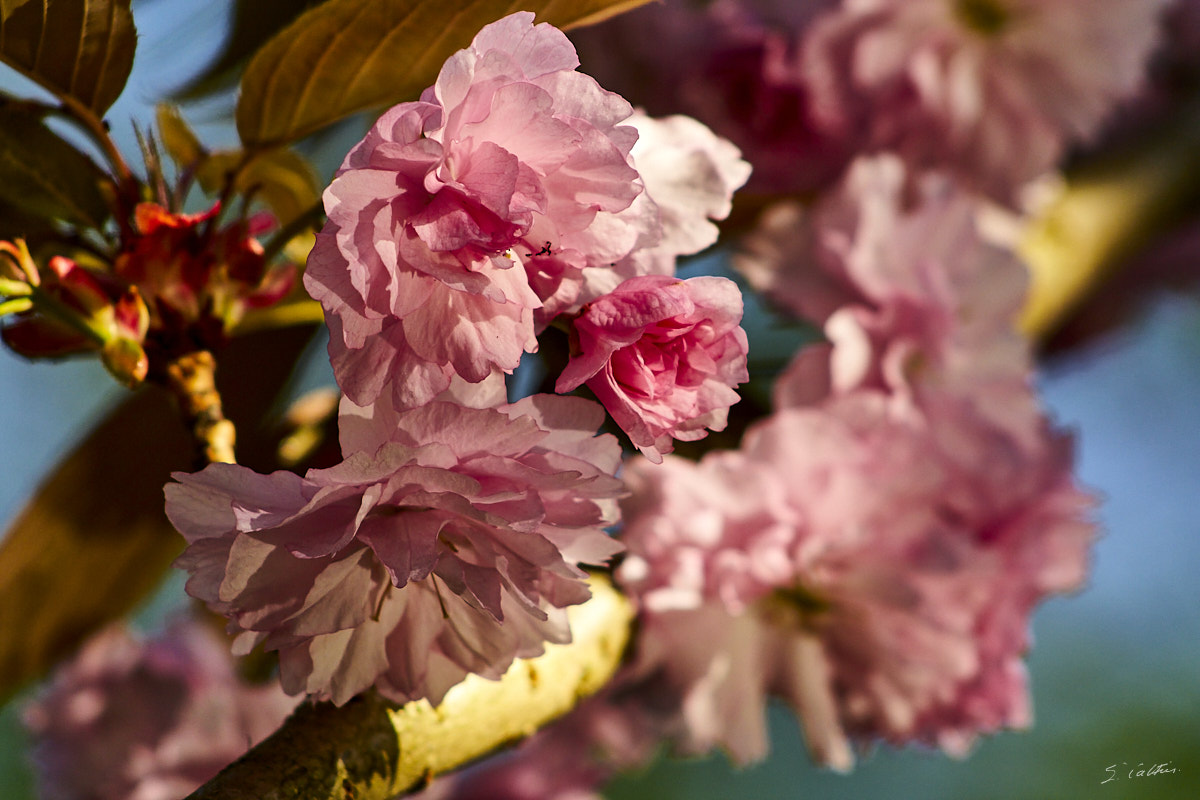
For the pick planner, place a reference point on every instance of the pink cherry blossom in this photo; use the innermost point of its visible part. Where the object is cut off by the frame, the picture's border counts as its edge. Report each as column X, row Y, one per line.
column 131, row 719
column 991, row 89
column 690, row 175
column 875, row 573
column 663, row 356
column 458, row 216
column 445, row 543
column 914, row 300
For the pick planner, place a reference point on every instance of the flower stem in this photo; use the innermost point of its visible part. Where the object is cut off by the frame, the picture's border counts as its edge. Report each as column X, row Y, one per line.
column 191, row 379
column 99, row 133
column 301, row 312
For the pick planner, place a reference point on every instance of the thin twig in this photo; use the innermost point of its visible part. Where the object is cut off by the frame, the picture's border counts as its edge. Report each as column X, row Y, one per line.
column 96, row 128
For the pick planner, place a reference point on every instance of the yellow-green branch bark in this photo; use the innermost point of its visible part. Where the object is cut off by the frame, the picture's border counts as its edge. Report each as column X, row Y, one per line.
column 1106, row 212
column 370, row 748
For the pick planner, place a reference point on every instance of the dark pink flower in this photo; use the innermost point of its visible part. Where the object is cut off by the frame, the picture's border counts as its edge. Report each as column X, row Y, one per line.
column 445, row 543
column 663, row 356
column 460, row 216
column 128, row 719
column 735, row 66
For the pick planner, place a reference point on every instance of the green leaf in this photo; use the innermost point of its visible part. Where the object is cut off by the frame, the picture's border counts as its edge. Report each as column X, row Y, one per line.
column 94, row 540
column 346, row 56
column 81, row 49
column 282, row 179
column 44, row 176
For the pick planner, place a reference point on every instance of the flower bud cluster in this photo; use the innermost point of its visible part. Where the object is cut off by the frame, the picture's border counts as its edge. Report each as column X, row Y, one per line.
column 178, row 283
column 197, row 276
column 67, row 308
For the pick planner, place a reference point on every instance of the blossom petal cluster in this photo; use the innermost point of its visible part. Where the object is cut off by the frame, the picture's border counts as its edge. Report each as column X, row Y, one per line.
column 873, row 551
column 445, row 543
column 993, row 90
column 663, row 356
column 734, row 65
column 512, row 163
column 153, row 719
column 690, row 175
column 448, row 540
column 876, row 578
column 918, row 302
column 465, row 222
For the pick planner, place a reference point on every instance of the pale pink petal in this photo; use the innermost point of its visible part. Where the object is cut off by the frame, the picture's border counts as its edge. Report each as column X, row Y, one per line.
column 456, row 529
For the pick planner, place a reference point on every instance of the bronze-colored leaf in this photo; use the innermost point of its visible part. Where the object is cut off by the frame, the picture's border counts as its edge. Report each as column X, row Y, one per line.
column 282, row 179
column 82, row 49
column 17, row 223
column 177, row 137
column 78, row 556
column 44, row 176
column 350, row 55
column 94, row 540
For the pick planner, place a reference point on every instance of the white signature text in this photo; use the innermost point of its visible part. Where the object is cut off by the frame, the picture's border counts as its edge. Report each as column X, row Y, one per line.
column 1116, row 773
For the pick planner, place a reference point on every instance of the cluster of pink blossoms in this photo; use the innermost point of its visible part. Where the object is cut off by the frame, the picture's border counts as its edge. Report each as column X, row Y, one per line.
column 872, row 553
column 994, row 91
column 445, row 543
column 466, row 222
column 910, row 505
column 880, row 581
column 129, row 719
column 449, row 540
column 914, row 300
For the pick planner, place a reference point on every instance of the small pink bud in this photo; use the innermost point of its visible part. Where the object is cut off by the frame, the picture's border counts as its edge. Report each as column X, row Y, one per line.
column 79, row 288
column 663, row 356
column 131, row 315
